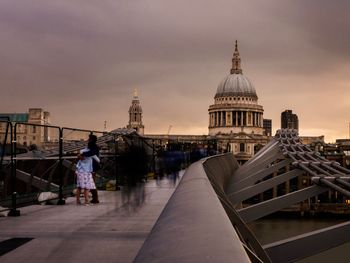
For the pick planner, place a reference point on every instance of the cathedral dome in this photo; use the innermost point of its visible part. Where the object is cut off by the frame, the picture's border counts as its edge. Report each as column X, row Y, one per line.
column 236, row 85
column 236, row 109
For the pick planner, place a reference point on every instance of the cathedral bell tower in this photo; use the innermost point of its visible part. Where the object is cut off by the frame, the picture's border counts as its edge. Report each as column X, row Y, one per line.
column 135, row 115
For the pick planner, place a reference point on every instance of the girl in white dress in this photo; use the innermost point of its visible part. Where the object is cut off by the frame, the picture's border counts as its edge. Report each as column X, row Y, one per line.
column 84, row 175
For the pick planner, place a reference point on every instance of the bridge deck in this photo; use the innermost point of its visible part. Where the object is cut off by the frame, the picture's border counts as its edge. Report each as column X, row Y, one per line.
column 112, row 231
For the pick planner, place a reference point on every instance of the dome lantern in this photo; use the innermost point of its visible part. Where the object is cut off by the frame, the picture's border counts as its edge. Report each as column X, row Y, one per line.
column 236, row 61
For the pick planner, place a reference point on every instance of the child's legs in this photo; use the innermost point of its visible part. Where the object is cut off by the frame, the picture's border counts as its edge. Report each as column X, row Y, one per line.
column 86, row 195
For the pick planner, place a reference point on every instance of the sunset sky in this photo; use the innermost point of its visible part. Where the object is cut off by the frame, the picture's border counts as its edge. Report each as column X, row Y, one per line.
column 81, row 60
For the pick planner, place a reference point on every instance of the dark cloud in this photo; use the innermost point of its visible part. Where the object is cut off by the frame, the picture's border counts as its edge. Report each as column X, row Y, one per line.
column 87, row 57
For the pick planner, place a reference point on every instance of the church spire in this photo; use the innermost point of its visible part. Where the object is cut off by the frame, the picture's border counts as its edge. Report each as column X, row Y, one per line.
column 236, row 61
column 135, row 114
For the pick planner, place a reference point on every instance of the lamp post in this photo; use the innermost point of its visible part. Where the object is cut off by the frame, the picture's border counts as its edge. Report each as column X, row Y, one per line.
column 116, row 151
column 61, row 200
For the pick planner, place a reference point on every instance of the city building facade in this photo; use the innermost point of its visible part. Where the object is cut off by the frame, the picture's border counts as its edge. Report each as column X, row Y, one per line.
column 289, row 120
column 236, row 118
column 267, row 125
column 337, row 152
column 27, row 133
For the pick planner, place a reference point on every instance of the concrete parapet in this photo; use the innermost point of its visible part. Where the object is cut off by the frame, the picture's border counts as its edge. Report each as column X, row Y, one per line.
column 194, row 226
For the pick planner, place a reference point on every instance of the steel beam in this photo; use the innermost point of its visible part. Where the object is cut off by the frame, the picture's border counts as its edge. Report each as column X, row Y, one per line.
column 35, row 181
column 251, row 191
column 262, row 209
column 250, row 180
column 305, row 245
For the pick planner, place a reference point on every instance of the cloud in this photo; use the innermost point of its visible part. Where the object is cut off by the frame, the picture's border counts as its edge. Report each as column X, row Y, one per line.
column 86, row 57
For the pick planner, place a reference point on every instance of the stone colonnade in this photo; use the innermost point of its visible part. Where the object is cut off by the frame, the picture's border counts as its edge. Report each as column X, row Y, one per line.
column 236, row 118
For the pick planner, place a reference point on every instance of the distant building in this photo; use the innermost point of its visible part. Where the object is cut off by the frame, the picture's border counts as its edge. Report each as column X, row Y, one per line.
column 28, row 134
column 135, row 115
column 289, row 120
column 267, row 125
column 236, row 118
column 308, row 140
column 338, row 151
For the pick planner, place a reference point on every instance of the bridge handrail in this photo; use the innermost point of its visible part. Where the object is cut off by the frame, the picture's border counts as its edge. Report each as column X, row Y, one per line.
column 193, row 226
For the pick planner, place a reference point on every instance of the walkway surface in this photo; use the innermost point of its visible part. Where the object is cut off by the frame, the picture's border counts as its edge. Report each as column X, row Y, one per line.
column 112, row 231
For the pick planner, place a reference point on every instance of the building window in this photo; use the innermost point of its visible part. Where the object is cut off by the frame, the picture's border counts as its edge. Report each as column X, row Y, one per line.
column 34, row 138
column 223, row 118
column 34, row 129
column 241, row 147
column 234, row 118
column 244, row 118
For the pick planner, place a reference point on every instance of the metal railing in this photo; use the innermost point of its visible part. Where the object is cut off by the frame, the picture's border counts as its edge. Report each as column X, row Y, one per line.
column 49, row 163
column 39, row 163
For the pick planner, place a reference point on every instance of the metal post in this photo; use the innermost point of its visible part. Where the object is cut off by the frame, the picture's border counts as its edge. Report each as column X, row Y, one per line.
column 153, row 158
column 4, row 144
column 8, row 123
column 61, row 201
column 117, row 179
column 13, row 211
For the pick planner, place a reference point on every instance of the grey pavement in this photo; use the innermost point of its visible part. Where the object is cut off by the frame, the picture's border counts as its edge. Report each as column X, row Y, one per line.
column 112, row 231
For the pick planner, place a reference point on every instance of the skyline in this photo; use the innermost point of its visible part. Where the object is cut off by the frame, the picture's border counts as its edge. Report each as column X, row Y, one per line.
column 87, row 59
